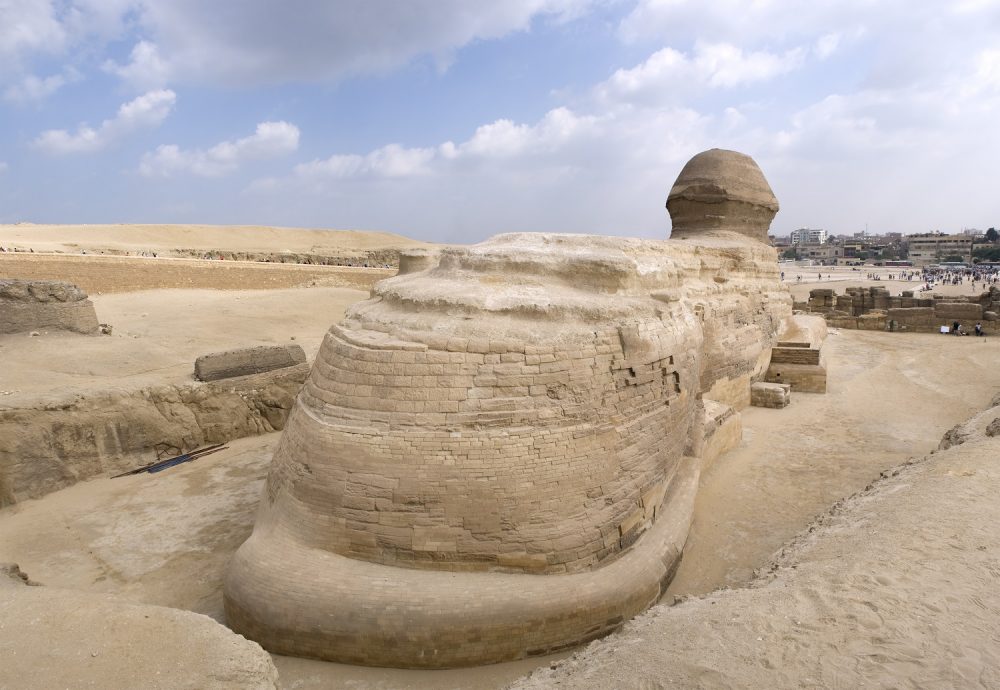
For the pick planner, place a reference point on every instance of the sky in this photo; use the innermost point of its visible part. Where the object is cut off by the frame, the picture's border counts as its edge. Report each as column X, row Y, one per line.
column 453, row 120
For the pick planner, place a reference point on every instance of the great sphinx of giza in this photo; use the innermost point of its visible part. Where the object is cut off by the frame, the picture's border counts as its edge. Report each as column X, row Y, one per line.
column 496, row 455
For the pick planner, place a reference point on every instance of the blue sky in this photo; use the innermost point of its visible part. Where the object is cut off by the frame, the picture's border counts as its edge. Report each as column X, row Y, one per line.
column 453, row 120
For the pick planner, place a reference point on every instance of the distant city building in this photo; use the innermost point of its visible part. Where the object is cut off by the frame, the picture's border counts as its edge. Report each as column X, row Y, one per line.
column 807, row 236
column 826, row 254
column 935, row 247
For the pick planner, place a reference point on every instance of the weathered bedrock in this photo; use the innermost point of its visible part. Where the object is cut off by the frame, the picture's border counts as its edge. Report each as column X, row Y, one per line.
column 496, row 455
column 30, row 305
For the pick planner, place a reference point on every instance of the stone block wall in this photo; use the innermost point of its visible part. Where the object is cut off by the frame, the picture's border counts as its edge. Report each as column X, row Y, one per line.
column 794, row 355
column 873, row 309
column 497, row 414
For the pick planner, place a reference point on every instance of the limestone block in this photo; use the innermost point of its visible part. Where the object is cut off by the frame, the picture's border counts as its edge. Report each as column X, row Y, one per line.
column 910, row 314
column 794, row 355
column 31, row 305
column 802, row 378
column 958, row 311
column 775, row 395
column 246, row 361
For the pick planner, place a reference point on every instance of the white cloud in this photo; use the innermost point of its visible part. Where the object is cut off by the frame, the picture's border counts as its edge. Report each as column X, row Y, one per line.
column 32, row 89
column 987, row 70
column 827, row 45
column 490, row 145
column 249, row 42
column 750, row 22
column 45, row 28
column 389, row 161
column 271, row 139
column 145, row 68
column 568, row 171
column 26, row 27
column 606, row 163
column 148, row 110
column 3, row 167
column 669, row 75
column 726, row 65
column 252, row 43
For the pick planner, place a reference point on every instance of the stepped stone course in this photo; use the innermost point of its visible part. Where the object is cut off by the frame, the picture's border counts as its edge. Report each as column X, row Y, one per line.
column 496, row 454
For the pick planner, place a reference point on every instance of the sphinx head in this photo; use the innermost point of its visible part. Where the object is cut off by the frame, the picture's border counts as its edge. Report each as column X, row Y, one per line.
column 721, row 190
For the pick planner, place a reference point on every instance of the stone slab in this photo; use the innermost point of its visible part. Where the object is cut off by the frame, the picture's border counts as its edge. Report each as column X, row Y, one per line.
column 774, row 395
column 247, row 361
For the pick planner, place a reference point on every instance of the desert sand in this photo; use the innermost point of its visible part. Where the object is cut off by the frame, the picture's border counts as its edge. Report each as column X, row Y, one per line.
column 165, row 239
column 892, row 587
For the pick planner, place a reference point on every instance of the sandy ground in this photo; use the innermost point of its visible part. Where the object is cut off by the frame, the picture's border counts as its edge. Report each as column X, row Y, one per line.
column 162, row 237
column 889, row 398
column 159, row 333
column 165, row 539
column 839, row 278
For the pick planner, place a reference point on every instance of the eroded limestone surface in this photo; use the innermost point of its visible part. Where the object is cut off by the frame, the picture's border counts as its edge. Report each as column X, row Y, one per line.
column 59, row 638
column 59, row 441
column 28, row 305
column 497, row 454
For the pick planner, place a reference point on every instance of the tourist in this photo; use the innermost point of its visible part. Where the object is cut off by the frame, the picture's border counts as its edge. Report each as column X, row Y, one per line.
column 979, row 329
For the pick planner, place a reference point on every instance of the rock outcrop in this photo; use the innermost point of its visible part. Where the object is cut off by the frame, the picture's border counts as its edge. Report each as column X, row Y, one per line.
column 58, row 638
column 497, row 454
column 59, row 442
column 33, row 305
